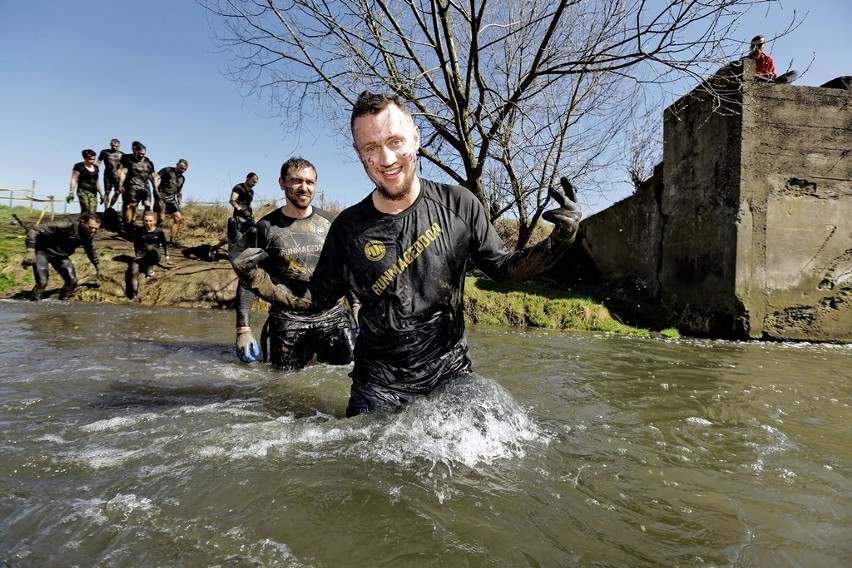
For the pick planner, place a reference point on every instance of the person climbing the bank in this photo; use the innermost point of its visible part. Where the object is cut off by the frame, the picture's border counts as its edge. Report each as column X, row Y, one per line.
column 291, row 239
column 242, row 196
column 85, row 178
column 242, row 218
column 764, row 65
column 53, row 243
column 149, row 238
column 403, row 251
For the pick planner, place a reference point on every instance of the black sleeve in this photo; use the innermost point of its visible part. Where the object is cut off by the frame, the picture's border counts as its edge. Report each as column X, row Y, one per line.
column 329, row 283
column 490, row 254
column 89, row 247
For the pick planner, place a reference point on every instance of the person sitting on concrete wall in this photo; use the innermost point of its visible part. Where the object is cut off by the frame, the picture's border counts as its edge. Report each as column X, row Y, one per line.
column 765, row 66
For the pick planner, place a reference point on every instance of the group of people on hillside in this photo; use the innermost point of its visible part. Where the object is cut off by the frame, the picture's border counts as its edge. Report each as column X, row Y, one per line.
column 381, row 285
column 134, row 178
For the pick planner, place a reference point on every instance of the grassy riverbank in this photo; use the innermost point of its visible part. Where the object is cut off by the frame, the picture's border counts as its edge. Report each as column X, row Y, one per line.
column 194, row 282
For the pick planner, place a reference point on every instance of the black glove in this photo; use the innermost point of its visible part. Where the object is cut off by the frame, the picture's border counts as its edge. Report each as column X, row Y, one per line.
column 246, row 214
column 258, row 281
column 567, row 216
column 248, row 260
column 29, row 259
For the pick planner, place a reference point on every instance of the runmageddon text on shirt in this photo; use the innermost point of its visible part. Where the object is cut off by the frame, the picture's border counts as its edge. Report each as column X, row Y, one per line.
column 409, row 256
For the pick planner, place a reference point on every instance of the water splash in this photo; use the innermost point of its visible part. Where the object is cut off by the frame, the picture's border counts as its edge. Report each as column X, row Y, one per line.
column 472, row 421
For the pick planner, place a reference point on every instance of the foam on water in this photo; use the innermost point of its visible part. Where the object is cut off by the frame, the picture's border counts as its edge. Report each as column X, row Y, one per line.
column 467, row 423
column 470, row 422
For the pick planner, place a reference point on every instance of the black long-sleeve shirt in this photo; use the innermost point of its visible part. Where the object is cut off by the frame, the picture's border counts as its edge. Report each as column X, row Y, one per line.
column 145, row 239
column 408, row 272
column 59, row 239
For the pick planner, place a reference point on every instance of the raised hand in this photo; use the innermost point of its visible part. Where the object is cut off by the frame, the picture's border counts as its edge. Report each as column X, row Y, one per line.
column 567, row 216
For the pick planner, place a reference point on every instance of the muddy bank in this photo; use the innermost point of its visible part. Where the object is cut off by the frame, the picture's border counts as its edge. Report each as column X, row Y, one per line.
column 194, row 277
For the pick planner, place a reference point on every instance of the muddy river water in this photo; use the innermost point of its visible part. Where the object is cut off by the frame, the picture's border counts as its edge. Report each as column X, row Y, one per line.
column 133, row 437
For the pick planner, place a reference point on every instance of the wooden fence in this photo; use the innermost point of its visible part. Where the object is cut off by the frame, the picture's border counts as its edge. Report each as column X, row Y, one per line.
column 27, row 198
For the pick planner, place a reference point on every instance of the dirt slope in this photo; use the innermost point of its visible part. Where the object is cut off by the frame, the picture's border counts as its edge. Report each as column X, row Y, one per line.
column 189, row 279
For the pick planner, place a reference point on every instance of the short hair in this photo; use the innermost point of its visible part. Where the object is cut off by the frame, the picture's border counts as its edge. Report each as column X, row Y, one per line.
column 149, row 213
column 138, row 145
column 250, row 175
column 116, row 140
column 374, row 103
column 88, row 152
column 89, row 216
column 184, row 162
column 758, row 39
column 295, row 163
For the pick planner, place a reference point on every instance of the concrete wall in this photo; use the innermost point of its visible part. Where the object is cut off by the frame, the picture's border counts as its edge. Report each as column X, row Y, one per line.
column 750, row 232
column 794, row 268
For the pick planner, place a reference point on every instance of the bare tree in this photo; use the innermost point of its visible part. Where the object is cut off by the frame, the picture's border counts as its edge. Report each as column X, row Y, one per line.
column 509, row 94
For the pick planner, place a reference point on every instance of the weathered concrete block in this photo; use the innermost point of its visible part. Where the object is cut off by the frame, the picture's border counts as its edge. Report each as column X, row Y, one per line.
column 748, row 235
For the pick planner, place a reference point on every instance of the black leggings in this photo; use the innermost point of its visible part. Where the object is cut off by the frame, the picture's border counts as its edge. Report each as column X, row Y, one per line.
column 62, row 265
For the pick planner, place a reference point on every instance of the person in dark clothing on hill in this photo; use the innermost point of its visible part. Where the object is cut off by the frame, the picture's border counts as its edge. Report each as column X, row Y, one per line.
column 84, row 177
column 241, row 199
column 404, row 252
column 53, row 243
column 149, row 238
column 168, row 197
column 137, row 171
column 111, row 159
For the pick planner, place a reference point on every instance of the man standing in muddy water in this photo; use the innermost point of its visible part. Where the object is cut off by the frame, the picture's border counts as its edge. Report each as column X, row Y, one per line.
column 403, row 251
column 291, row 239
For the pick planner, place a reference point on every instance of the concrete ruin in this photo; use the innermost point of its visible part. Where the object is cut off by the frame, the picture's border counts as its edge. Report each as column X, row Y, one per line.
column 745, row 230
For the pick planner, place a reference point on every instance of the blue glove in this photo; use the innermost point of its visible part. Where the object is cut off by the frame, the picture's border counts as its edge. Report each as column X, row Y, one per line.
column 247, row 348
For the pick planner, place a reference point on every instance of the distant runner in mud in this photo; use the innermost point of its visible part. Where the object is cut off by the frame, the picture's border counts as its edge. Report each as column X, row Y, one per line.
column 111, row 159
column 168, row 197
column 290, row 240
column 242, row 219
column 53, row 243
column 404, row 251
column 135, row 174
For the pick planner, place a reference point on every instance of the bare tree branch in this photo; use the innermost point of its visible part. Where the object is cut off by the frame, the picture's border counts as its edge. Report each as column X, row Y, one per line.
column 509, row 94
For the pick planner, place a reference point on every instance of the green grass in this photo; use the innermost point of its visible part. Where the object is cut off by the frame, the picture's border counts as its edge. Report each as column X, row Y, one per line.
column 535, row 305
column 12, row 248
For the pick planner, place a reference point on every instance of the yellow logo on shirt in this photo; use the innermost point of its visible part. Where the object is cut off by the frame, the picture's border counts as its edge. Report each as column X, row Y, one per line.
column 374, row 250
column 409, row 255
